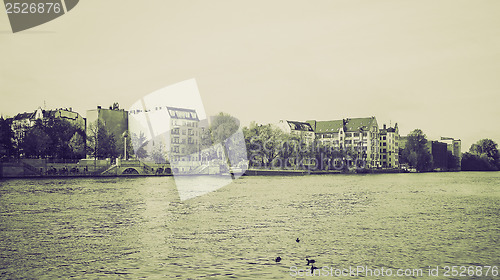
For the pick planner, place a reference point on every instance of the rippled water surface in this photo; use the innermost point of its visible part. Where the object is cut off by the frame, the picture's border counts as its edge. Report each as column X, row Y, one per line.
column 137, row 227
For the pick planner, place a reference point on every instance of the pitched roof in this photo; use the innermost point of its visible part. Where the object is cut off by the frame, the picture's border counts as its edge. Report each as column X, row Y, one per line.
column 21, row 116
column 358, row 124
column 182, row 113
column 301, row 126
column 328, row 126
column 355, row 124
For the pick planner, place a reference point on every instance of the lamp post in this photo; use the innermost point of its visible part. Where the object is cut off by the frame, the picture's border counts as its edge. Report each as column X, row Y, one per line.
column 125, row 135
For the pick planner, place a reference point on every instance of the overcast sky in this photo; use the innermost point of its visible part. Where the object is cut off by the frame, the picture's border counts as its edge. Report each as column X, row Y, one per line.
column 433, row 65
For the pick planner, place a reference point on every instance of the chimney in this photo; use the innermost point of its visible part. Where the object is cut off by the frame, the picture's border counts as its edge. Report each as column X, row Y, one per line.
column 385, row 127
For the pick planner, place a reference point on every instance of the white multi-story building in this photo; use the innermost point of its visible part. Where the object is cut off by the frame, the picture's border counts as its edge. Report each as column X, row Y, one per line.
column 185, row 134
column 301, row 129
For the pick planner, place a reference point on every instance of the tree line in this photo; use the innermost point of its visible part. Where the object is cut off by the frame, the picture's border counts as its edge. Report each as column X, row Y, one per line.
column 54, row 138
column 267, row 146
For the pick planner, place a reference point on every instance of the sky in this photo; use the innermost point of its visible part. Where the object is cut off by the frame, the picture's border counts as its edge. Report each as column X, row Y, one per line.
column 433, row 65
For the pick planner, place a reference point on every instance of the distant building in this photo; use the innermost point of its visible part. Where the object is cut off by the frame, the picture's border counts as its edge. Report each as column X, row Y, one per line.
column 389, row 146
column 455, row 147
column 439, row 152
column 23, row 121
column 114, row 119
column 355, row 135
column 300, row 129
column 185, row 134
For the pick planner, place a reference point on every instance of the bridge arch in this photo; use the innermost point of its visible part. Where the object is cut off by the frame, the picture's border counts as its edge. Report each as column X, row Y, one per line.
column 131, row 171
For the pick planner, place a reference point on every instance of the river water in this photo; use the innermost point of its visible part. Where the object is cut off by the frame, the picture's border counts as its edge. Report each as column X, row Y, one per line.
column 130, row 228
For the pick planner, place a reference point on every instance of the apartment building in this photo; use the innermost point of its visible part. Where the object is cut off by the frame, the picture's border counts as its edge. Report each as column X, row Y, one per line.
column 300, row 129
column 389, row 146
column 357, row 136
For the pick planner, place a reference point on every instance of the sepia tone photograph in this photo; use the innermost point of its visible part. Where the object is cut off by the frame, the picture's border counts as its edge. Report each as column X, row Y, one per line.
column 224, row 139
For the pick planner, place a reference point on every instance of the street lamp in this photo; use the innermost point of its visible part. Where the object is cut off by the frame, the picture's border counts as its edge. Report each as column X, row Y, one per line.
column 125, row 135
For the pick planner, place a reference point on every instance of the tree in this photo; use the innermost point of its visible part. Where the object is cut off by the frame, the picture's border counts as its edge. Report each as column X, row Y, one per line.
column 482, row 156
column 264, row 144
column 100, row 142
column 223, row 126
column 7, row 149
column 139, row 142
column 416, row 153
column 61, row 132
column 36, row 143
column 158, row 153
column 77, row 145
column 223, row 130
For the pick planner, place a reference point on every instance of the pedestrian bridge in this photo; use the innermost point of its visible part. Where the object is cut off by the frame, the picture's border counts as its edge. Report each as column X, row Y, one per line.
column 135, row 167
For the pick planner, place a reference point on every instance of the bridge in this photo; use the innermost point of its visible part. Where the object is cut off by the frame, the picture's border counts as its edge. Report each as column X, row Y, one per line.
column 136, row 167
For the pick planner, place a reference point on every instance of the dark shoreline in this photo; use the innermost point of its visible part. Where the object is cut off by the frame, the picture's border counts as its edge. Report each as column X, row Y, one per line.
column 250, row 172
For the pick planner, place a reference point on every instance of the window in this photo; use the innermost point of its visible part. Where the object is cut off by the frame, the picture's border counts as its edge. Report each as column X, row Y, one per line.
column 385, row 144
column 175, row 131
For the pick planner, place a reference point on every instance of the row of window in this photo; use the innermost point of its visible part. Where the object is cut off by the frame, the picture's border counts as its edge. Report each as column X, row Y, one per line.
column 174, row 113
column 347, row 134
column 178, row 131
column 178, row 140
column 388, row 158
column 176, row 122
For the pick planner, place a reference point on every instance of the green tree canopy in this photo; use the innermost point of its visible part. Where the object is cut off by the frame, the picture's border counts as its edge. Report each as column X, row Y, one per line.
column 101, row 143
column 77, row 145
column 139, row 142
column 482, row 156
column 223, row 126
column 36, row 143
column 7, row 148
column 416, row 153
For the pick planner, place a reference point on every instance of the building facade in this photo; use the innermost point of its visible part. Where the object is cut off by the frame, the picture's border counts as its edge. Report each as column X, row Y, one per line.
column 115, row 121
column 356, row 136
column 455, row 147
column 389, row 146
column 301, row 129
column 185, row 135
column 439, row 153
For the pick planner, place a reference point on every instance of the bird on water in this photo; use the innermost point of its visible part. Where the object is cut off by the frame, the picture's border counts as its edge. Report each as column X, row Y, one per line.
column 313, row 268
column 278, row 259
column 310, row 261
column 297, row 240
